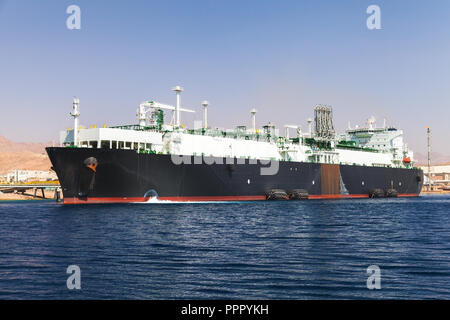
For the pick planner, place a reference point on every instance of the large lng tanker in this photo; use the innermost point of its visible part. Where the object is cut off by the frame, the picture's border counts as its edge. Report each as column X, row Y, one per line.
column 162, row 159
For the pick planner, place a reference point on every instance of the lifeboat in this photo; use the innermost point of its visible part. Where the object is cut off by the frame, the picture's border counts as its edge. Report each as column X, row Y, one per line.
column 407, row 160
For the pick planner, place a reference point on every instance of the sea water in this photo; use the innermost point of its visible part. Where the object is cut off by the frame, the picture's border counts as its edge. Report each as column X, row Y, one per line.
column 316, row 249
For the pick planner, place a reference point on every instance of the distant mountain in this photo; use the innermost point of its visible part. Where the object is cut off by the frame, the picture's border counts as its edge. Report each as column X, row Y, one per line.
column 436, row 158
column 10, row 161
column 7, row 145
column 22, row 156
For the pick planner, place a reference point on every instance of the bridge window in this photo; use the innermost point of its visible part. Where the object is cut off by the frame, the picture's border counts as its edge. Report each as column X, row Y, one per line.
column 105, row 144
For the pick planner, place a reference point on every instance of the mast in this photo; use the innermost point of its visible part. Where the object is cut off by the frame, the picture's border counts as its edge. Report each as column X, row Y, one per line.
column 75, row 114
column 310, row 127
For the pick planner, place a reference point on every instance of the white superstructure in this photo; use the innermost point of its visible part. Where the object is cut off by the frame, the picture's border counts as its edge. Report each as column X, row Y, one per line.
column 368, row 146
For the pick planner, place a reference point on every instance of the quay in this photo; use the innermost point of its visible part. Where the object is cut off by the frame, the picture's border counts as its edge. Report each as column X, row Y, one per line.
column 37, row 189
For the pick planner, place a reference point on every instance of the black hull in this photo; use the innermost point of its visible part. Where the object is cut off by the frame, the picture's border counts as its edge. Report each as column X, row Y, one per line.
column 127, row 176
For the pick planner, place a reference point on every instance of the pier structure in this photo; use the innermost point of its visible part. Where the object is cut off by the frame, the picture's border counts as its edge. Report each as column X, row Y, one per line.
column 37, row 190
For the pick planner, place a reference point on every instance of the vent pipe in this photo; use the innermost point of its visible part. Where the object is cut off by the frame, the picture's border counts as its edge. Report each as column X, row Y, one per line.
column 178, row 91
column 253, row 112
column 310, row 126
column 205, row 115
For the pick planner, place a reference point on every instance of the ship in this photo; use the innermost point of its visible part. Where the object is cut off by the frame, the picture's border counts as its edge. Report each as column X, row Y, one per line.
column 157, row 158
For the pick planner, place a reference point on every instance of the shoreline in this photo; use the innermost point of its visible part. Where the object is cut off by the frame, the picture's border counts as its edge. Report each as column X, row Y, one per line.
column 440, row 192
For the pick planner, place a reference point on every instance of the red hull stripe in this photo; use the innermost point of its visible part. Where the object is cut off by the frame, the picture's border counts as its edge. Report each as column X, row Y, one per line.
column 215, row 198
column 102, row 200
column 337, row 196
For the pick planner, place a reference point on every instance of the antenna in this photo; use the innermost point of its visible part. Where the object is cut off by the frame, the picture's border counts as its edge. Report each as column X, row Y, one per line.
column 253, row 112
column 75, row 114
column 205, row 120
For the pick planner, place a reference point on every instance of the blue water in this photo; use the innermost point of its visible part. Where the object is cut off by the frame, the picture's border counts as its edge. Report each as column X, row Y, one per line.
column 254, row 250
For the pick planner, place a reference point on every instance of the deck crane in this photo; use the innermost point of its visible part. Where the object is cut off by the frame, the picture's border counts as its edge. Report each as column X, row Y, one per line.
column 151, row 105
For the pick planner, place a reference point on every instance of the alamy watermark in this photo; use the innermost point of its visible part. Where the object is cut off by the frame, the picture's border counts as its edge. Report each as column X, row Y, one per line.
column 374, row 20
column 74, row 20
column 74, row 280
column 374, row 279
column 267, row 167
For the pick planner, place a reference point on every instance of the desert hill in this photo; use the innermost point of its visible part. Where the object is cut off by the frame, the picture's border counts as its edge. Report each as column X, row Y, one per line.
column 7, row 145
column 436, row 158
column 22, row 156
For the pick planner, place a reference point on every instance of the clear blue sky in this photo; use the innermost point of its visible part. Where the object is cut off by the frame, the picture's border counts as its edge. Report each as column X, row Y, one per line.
column 281, row 57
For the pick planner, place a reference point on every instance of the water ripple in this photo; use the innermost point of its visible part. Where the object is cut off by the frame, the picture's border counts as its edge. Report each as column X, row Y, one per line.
column 254, row 250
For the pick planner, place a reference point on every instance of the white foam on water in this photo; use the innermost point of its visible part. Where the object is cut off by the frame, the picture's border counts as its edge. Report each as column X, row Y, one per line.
column 154, row 200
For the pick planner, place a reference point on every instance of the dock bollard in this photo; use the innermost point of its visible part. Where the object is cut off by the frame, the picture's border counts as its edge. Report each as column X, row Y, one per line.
column 57, row 196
